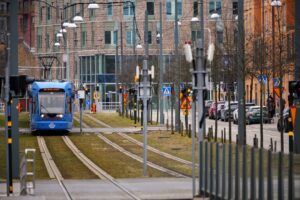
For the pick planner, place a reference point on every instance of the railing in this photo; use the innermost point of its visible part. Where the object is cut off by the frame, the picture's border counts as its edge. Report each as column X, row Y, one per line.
column 232, row 171
column 109, row 106
column 27, row 172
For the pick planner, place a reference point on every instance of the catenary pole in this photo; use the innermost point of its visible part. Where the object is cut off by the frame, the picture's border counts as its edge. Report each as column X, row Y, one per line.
column 145, row 95
column 241, row 75
column 161, row 97
column 176, row 71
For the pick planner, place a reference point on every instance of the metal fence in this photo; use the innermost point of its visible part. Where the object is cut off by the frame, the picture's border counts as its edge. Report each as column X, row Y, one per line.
column 231, row 171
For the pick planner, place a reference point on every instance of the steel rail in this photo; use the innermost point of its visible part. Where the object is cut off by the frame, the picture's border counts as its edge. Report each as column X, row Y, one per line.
column 52, row 169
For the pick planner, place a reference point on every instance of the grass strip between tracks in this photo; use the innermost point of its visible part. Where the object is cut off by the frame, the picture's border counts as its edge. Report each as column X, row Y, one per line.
column 152, row 157
column 111, row 160
column 68, row 164
column 26, row 141
column 114, row 120
column 88, row 121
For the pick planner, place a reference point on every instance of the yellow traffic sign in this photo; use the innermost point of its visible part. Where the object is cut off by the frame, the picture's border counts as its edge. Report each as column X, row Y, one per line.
column 185, row 104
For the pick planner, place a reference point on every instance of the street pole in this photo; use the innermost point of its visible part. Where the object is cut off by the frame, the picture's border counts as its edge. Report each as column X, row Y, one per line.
column 8, row 124
column 201, row 73
column 146, row 88
column 241, row 75
column 161, row 97
column 177, row 72
column 13, row 60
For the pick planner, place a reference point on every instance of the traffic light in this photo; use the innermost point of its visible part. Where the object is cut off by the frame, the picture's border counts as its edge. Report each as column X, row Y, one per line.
column 294, row 89
column 18, row 85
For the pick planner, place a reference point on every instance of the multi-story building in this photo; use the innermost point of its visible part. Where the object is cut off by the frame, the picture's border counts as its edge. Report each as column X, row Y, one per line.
column 102, row 49
column 270, row 48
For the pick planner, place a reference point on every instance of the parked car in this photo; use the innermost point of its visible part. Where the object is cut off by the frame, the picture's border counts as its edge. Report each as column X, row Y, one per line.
column 225, row 111
column 207, row 106
column 235, row 113
column 221, row 107
column 286, row 114
column 253, row 114
column 212, row 112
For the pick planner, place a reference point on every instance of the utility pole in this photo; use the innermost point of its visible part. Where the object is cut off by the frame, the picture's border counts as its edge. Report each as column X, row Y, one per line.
column 161, row 97
column 177, row 72
column 146, row 92
column 201, row 73
column 241, row 75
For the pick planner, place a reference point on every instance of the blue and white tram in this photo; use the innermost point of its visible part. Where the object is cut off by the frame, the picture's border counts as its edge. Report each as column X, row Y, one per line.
column 51, row 106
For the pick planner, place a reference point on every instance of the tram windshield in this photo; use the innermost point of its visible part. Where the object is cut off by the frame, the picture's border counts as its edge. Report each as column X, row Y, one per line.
column 52, row 102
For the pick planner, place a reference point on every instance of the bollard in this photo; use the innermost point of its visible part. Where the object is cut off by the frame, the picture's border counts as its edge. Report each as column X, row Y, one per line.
column 271, row 144
column 225, row 136
column 167, row 124
column 237, row 139
column 275, row 146
column 190, row 130
column 181, row 128
column 222, row 136
column 255, row 141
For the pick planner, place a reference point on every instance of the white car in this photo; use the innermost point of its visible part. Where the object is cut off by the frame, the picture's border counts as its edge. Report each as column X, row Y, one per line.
column 235, row 113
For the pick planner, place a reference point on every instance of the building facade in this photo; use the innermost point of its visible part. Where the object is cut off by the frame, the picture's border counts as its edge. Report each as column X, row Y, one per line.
column 102, row 49
column 270, row 48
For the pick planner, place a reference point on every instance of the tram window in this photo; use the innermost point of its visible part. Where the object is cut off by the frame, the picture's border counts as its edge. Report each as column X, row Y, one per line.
column 69, row 104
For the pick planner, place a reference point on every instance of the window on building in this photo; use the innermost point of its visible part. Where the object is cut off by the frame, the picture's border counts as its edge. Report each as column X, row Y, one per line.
column 75, row 39
column 73, row 9
column 129, row 38
column 41, row 14
column 48, row 13
column 195, row 9
column 195, row 35
column 150, row 7
column 128, row 8
column 149, row 37
column 110, row 37
column 47, row 41
column 83, row 38
column 220, row 37
column 81, row 10
column 92, row 13
column 109, row 9
column 39, row 41
column 66, row 16
column 170, row 7
column 215, row 6
column 115, row 37
column 235, row 8
column 107, row 37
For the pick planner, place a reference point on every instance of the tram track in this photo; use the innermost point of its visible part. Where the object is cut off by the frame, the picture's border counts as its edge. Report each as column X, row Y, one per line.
column 96, row 169
column 54, row 172
column 152, row 149
column 52, row 169
column 136, row 157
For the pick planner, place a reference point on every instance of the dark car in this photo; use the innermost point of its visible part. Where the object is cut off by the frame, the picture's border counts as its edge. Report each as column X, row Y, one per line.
column 253, row 114
column 286, row 114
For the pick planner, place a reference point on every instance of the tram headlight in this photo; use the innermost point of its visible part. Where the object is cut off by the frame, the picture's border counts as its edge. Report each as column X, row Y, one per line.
column 42, row 115
column 60, row 116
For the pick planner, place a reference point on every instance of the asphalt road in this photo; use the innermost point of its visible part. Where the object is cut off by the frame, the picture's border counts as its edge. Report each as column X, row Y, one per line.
column 269, row 130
